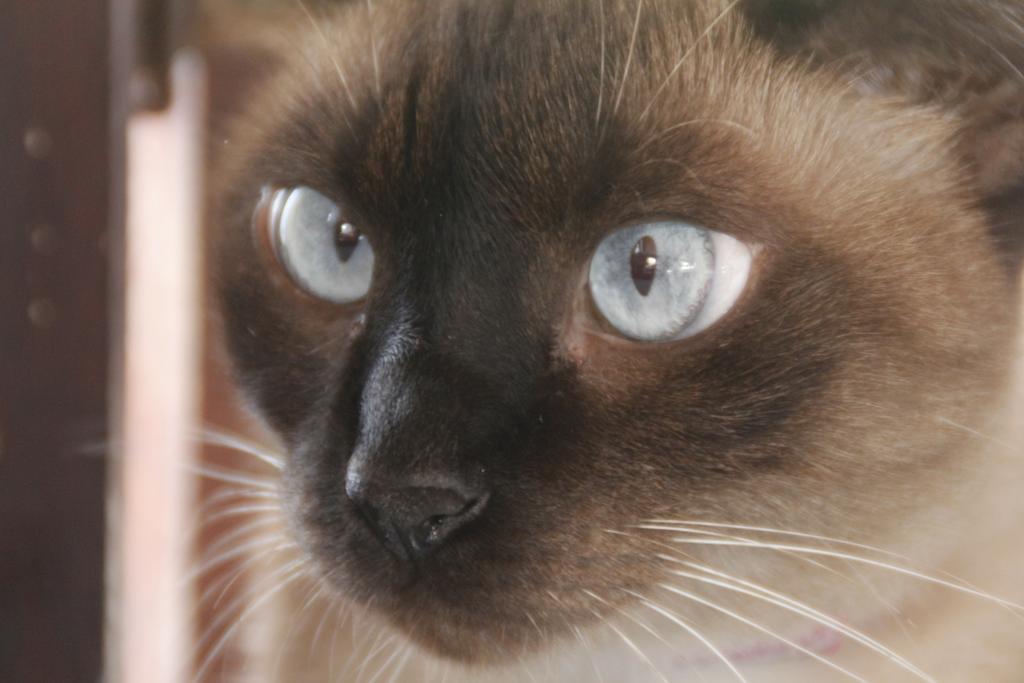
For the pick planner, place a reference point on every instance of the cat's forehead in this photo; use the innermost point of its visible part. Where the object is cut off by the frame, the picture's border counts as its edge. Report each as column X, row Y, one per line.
column 541, row 108
column 527, row 120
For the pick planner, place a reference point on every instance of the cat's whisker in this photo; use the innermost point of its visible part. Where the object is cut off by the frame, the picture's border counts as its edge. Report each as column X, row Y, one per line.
column 225, row 584
column 544, row 638
column 673, row 549
column 679, row 164
column 387, row 644
column 686, row 55
column 387, row 662
column 235, row 550
column 379, row 645
column 631, row 617
column 588, row 647
column 827, row 539
column 893, row 610
column 199, row 521
column 247, row 548
column 217, row 437
column 600, row 92
column 790, row 604
column 366, row 636
column 297, row 621
column 536, row 626
column 999, row 54
column 585, row 642
column 240, row 510
column 683, row 525
column 629, row 57
column 224, row 614
column 640, row 653
column 526, row 669
column 746, row 130
column 431, row 671
column 342, row 613
column 314, row 69
column 233, row 496
column 373, row 50
column 676, row 619
column 328, row 609
column 218, row 474
column 223, row 494
column 236, row 546
column 814, row 563
column 1014, row 450
column 105, row 448
column 330, row 52
column 229, row 539
column 401, row 664
column 756, row 626
column 286, row 576
column 855, row 78
column 340, row 619
column 738, row 541
column 629, row 643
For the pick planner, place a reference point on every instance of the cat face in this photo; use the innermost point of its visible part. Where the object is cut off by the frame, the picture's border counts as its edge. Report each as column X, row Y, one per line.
column 474, row 436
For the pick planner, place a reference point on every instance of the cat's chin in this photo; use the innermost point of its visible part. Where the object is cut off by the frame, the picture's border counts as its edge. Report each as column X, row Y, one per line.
column 453, row 615
column 489, row 648
column 472, row 632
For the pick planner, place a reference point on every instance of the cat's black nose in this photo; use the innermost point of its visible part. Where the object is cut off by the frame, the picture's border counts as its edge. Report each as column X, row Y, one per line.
column 411, row 521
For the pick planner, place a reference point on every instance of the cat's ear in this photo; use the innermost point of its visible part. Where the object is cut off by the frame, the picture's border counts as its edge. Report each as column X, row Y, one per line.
column 963, row 57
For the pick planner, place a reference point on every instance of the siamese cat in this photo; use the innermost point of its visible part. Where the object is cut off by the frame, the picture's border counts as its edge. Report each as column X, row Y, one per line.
column 630, row 340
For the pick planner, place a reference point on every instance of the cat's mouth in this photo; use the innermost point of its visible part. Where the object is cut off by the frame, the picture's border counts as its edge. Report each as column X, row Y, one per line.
column 449, row 600
column 469, row 586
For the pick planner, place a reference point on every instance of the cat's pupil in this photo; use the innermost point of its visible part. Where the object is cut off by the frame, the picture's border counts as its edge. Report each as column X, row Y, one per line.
column 643, row 264
column 346, row 238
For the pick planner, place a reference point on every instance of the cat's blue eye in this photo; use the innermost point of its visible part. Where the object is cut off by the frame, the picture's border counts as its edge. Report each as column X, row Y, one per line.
column 667, row 280
column 322, row 252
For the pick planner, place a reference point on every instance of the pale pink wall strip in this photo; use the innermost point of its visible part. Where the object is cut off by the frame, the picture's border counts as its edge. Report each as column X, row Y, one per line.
column 161, row 381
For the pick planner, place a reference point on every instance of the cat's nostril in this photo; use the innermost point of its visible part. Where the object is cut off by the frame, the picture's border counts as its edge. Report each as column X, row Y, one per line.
column 436, row 528
column 413, row 521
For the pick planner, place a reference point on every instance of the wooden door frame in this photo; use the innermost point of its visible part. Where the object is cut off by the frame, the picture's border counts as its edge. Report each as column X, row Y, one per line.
column 61, row 145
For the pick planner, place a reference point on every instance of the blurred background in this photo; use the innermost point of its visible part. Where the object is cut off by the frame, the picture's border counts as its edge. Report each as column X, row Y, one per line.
column 109, row 373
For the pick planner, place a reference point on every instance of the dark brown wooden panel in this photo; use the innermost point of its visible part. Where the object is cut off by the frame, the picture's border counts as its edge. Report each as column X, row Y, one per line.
column 56, row 231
